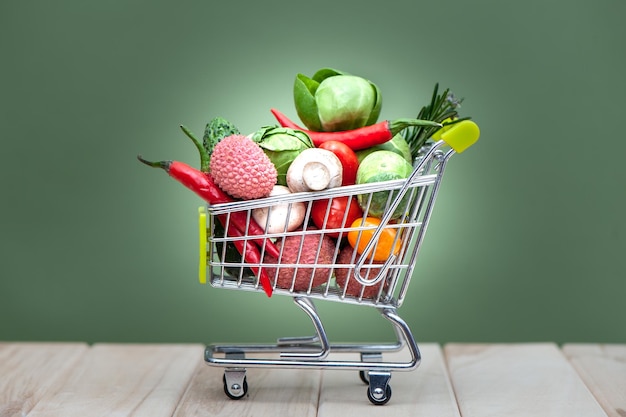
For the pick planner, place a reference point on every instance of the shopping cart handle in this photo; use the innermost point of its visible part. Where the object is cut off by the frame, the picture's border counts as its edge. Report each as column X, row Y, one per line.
column 460, row 136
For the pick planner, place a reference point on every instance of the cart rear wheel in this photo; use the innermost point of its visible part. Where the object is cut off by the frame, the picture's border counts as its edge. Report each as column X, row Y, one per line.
column 378, row 397
column 364, row 377
column 236, row 391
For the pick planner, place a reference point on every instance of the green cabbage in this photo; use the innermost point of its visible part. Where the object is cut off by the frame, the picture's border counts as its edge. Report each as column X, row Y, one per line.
column 333, row 100
column 281, row 145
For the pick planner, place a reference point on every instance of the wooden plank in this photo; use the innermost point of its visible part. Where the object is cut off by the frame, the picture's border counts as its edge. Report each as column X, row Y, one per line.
column 29, row 371
column 533, row 379
column 271, row 392
column 603, row 369
column 123, row 380
column 423, row 392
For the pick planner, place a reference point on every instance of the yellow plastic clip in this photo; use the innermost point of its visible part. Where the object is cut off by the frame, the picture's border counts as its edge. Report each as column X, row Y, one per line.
column 203, row 240
column 460, row 136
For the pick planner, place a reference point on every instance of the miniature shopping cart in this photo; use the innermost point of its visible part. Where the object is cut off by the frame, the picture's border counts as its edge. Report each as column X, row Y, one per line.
column 381, row 285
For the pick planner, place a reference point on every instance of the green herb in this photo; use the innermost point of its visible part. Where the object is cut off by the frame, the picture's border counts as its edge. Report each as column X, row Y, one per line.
column 443, row 107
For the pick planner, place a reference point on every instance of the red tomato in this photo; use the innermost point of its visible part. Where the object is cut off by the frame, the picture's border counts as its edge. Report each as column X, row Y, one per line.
column 349, row 160
column 342, row 212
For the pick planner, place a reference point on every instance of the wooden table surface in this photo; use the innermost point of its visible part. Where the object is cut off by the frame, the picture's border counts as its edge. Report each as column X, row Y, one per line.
column 527, row 379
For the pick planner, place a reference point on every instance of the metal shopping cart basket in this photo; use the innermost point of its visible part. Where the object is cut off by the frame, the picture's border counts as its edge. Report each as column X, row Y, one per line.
column 382, row 285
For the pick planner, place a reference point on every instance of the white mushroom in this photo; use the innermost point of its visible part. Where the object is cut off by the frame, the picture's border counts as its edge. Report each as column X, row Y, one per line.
column 314, row 169
column 275, row 218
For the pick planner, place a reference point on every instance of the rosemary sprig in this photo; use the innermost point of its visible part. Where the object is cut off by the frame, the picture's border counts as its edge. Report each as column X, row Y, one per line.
column 441, row 107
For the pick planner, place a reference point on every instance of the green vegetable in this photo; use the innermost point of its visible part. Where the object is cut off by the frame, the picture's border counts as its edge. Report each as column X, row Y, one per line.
column 333, row 100
column 230, row 254
column 217, row 129
column 383, row 166
column 442, row 109
column 281, row 145
column 397, row 144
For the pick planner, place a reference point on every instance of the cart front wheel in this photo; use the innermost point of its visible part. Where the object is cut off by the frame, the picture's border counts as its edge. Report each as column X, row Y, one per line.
column 379, row 396
column 236, row 391
column 379, row 390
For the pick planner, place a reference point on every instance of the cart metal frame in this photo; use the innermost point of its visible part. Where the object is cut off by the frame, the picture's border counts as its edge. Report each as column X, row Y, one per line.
column 421, row 189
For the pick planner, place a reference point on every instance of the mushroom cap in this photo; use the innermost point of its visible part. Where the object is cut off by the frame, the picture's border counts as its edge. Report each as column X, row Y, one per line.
column 241, row 168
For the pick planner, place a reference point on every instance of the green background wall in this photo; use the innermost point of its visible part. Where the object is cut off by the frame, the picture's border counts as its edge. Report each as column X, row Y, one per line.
column 527, row 242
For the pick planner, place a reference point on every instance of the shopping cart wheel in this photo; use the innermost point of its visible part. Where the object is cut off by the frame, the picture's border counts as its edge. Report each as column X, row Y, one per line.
column 378, row 397
column 235, row 384
column 379, row 390
column 364, row 377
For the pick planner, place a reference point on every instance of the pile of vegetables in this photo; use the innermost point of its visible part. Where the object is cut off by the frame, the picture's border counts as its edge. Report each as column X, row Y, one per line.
column 342, row 143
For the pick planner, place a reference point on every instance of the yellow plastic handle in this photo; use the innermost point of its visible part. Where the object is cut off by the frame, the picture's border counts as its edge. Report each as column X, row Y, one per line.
column 460, row 136
column 203, row 239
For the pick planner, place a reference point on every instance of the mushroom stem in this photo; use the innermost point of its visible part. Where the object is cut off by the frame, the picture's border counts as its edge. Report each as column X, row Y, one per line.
column 315, row 175
column 314, row 169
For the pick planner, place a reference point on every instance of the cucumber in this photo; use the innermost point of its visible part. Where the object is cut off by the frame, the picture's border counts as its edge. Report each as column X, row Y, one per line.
column 383, row 166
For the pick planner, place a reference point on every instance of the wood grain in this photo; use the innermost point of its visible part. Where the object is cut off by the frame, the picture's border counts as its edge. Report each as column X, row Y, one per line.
column 30, row 371
column 603, row 369
column 272, row 392
column 517, row 380
column 123, row 380
column 525, row 379
column 423, row 392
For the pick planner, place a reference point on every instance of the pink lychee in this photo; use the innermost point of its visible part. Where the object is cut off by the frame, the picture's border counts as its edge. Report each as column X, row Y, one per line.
column 241, row 168
column 355, row 288
column 307, row 250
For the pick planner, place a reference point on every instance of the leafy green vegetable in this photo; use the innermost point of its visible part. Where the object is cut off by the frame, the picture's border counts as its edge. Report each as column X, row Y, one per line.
column 333, row 100
column 281, row 145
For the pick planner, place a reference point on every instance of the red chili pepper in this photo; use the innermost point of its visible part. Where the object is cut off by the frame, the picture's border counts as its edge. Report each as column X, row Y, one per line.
column 202, row 184
column 251, row 255
column 360, row 138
